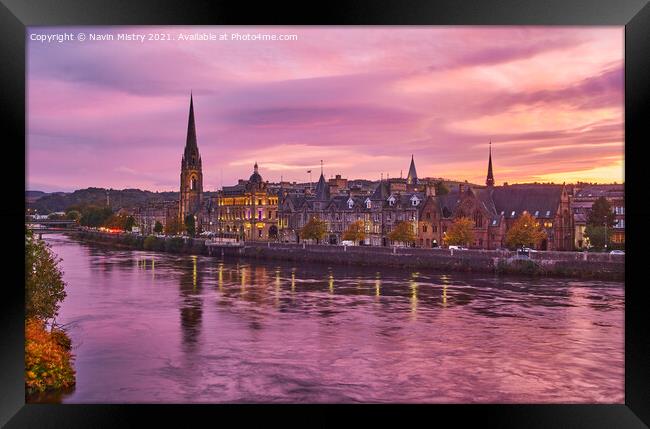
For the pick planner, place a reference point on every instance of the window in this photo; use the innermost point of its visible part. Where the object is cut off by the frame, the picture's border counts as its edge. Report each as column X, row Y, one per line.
column 435, row 228
column 619, row 210
column 512, row 214
column 368, row 203
column 350, row 203
column 428, row 215
column 478, row 220
column 424, row 228
column 548, row 213
column 259, row 202
column 536, row 213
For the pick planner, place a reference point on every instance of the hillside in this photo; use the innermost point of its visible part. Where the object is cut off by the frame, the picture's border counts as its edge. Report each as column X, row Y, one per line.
column 60, row 201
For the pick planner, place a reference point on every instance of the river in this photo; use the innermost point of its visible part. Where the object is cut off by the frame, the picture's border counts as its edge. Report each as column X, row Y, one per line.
column 155, row 327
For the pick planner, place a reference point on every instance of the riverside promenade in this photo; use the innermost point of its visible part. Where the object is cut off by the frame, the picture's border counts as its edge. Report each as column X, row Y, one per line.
column 557, row 264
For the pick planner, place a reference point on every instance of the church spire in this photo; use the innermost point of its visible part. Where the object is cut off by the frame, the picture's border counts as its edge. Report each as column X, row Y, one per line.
column 490, row 177
column 191, row 127
column 191, row 153
column 412, row 178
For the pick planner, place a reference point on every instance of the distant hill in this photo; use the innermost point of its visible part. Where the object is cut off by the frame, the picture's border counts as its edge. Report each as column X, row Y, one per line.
column 60, row 201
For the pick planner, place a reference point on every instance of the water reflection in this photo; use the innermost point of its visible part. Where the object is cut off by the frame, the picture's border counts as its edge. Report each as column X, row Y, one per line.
column 154, row 327
column 191, row 307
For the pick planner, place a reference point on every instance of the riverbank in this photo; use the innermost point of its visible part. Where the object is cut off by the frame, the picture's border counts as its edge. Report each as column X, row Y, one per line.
column 601, row 266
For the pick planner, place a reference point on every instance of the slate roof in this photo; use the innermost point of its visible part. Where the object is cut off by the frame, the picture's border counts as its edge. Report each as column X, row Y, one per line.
column 542, row 201
column 236, row 189
column 381, row 192
column 595, row 191
column 322, row 189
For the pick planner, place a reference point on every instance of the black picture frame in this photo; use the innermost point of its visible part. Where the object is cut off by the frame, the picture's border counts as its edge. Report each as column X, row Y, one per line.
column 16, row 15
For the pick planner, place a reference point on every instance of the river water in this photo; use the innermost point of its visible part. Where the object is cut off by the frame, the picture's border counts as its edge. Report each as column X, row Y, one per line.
column 154, row 327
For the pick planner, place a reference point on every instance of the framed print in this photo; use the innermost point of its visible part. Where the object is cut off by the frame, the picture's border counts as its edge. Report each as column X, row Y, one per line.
column 356, row 210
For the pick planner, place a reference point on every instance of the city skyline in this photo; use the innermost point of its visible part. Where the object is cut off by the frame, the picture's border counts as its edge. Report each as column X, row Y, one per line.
column 110, row 114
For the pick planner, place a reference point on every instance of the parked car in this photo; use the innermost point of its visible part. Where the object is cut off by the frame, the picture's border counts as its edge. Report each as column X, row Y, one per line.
column 617, row 252
column 347, row 243
column 457, row 248
column 528, row 249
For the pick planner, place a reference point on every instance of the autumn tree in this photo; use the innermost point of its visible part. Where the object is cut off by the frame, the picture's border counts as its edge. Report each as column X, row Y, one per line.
column 315, row 229
column 158, row 227
column 460, row 233
column 116, row 222
column 525, row 231
column 355, row 232
column 174, row 226
column 403, row 233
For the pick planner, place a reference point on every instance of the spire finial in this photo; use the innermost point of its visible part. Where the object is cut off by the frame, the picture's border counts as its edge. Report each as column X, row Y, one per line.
column 489, row 181
column 321, row 167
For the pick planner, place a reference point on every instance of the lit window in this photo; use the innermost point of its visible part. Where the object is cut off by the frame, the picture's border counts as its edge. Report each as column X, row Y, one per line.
column 536, row 213
column 512, row 214
column 548, row 213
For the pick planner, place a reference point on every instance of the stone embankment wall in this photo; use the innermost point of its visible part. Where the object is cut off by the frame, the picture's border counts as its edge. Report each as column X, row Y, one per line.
column 558, row 264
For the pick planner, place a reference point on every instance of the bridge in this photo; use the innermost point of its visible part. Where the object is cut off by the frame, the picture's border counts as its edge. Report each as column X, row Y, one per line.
column 51, row 226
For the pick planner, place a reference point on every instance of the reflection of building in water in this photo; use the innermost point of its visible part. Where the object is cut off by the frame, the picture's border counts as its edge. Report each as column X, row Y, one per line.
column 414, row 293
column 191, row 305
column 377, row 284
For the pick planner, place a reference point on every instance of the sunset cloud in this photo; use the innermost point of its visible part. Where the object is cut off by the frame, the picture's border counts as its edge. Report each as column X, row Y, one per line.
column 362, row 99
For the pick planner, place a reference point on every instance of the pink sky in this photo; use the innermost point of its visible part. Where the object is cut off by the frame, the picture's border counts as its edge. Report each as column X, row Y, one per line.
column 362, row 99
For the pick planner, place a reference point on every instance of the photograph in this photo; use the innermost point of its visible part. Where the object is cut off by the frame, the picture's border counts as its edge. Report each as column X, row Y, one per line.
column 425, row 214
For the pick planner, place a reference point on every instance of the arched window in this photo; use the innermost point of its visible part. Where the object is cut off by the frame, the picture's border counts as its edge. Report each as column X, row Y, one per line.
column 478, row 219
column 193, row 184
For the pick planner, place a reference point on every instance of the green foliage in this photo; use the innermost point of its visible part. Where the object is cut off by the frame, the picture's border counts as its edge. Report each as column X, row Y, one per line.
column 315, row 229
column 174, row 245
column 153, row 243
column 129, row 223
column 53, row 216
column 598, row 235
column 601, row 214
column 44, row 285
column 94, row 216
column 403, row 233
column 525, row 231
column 73, row 215
column 158, row 228
column 190, row 225
column 460, row 232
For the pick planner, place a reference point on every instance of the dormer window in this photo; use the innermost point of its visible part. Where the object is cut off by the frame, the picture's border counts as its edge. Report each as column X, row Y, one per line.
column 368, row 203
column 350, row 203
column 391, row 200
column 512, row 214
column 415, row 201
column 536, row 213
column 548, row 213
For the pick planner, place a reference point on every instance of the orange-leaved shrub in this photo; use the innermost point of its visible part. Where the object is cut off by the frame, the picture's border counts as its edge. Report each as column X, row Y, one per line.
column 48, row 360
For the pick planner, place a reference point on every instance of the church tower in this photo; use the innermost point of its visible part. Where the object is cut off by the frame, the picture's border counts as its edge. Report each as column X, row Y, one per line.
column 191, row 174
column 489, row 181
